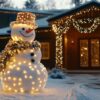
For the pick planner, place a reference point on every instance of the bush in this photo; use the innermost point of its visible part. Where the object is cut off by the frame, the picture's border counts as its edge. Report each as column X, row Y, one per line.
column 57, row 73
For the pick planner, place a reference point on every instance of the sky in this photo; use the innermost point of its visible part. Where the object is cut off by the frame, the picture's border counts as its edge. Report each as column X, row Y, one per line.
column 46, row 4
column 43, row 3
column 17, row 3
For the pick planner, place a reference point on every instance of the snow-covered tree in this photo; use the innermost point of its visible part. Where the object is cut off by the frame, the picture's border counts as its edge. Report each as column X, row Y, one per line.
column 30, row 4
column 5, row 3
column 77, row 2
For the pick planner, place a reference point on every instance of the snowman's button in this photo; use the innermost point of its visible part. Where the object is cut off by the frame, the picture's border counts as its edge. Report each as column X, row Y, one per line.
column 32, row 60
column 23, row 29
column 32, row 54
column 33, row 46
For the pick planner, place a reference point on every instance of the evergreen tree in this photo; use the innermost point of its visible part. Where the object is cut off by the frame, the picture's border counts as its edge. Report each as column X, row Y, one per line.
column 30, row 4
column 5, row 3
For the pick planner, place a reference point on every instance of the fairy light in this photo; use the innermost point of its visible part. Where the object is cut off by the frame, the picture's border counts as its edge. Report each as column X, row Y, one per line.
column 14, row 79
column 92, row 28
column 33, row 83
column 14, row 84
column 25, row 76
column 18, row 68
column 15, row 91
column 38, row 72
column 24, row 71
column 19, row 83
column 21, row 90
column 30, row 77
column 20, row 79
column 9, row 78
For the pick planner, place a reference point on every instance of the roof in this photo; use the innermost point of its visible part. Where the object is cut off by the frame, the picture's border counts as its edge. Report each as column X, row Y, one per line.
column 29, row 10
column 39, row 13
column 73, row 10
column 42, row 22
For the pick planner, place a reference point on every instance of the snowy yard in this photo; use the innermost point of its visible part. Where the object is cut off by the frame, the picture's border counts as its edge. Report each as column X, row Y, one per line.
column 73, row 87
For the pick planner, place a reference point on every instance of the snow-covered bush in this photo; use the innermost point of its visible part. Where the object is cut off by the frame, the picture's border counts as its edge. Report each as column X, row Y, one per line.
column 57, row 73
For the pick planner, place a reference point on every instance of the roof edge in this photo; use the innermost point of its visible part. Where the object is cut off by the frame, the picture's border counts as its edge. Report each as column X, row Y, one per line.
column 92, row 3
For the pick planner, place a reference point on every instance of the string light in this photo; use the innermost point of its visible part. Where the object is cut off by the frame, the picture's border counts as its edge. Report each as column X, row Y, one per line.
column 92, row 28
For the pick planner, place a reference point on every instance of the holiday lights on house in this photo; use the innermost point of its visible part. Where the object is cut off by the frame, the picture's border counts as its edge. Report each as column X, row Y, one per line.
column 62, row 25
column 92, row 28
column 59, row 47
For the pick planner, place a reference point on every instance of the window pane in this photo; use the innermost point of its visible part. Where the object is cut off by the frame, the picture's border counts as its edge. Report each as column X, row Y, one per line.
column 84, row 53
column 45, row 48
column 95, row 53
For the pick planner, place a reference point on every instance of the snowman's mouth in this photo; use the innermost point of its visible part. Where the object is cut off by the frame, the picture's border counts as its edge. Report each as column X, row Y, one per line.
column 25, row 35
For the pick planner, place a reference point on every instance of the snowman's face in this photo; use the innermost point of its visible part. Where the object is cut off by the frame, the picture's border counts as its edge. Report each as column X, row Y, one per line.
column 22, row 32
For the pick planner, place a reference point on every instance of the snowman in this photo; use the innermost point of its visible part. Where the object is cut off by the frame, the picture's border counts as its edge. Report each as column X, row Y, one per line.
column 23, row 72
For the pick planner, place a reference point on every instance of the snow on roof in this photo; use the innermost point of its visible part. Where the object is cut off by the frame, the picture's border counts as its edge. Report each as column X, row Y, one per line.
column 73, row 10
column 28, row 10
column 42, row 22
column 3, row 31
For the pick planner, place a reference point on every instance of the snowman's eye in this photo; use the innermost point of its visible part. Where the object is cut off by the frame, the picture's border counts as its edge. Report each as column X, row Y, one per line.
column 23, row 29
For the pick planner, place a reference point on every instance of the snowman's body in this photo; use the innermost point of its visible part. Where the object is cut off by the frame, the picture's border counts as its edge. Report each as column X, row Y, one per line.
column 24, row 72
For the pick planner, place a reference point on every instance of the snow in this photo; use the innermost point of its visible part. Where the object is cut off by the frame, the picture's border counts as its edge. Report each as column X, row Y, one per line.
column 3, row 31
column 42, row 22
column 73, row 87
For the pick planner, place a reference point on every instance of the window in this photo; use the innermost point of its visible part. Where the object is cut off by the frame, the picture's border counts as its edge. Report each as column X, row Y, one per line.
column 95, row 60
column 45, row 48
column 84, row 53
column 90, row 53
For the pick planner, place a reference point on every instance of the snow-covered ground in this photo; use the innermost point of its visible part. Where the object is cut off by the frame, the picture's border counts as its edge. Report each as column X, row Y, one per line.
column 73, row 87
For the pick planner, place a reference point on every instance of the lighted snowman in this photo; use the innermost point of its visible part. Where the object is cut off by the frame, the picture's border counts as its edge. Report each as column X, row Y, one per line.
column 24, row 72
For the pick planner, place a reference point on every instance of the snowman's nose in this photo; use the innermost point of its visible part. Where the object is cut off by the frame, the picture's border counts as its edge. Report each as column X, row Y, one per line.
column 29, row 30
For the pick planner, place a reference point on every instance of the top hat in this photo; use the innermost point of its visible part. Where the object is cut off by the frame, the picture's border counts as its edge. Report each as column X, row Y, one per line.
column 25, row 18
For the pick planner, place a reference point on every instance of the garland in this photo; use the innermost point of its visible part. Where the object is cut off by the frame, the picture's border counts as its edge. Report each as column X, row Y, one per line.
column 13, row 48
column 92, row 28
column 63, row 28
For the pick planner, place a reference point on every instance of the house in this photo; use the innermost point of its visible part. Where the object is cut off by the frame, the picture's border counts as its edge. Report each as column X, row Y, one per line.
column 70, row 39
column 78, row 38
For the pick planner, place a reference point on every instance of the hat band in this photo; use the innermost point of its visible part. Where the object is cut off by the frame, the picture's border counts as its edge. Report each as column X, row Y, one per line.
column 34, row 26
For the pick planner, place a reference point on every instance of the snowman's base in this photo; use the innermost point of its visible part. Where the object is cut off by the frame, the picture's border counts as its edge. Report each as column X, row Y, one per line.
column 22, row 91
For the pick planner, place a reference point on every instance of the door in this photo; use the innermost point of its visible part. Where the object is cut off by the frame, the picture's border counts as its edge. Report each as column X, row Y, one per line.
column 90, row 53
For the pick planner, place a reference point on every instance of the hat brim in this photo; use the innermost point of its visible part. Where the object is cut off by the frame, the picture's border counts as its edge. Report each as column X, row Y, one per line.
column 34, row 25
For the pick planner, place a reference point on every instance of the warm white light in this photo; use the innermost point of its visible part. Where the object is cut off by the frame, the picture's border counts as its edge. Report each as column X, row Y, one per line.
column 18, row 68
column 24, row 71
column 19, row 83
column 9, row 78
column 14, row 79
column 21, row 90
column 14, row 84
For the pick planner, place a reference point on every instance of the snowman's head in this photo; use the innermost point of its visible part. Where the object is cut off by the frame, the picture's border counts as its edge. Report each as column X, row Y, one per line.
column 22, row 32
column 24, row 26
